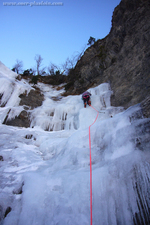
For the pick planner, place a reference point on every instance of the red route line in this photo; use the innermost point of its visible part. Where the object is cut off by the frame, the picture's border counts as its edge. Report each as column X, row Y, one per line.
column 91, row 164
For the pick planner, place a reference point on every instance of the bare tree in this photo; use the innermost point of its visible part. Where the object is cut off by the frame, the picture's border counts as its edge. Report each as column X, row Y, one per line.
column 52, row 69
column 79, row 55
column 18, row 66
column 71, row 62
column 38, row 60
column 68, row 64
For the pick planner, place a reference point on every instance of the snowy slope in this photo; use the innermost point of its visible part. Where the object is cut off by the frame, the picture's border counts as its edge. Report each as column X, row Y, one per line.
column 44, row 175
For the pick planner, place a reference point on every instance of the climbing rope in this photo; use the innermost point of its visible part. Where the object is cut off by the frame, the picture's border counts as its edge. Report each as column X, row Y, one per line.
column 91, row 164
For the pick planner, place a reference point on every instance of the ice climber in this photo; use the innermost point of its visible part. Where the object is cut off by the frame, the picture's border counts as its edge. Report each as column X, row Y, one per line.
column 86, row 98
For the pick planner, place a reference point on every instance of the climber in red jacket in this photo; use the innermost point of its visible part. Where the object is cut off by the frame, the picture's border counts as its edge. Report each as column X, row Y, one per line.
column 86, row 98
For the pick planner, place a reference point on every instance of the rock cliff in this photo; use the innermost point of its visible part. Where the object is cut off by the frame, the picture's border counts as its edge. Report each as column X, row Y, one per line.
column 122, row 58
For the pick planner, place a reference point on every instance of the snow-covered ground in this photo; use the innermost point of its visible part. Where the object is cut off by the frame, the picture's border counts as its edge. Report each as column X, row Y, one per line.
column 45, row 174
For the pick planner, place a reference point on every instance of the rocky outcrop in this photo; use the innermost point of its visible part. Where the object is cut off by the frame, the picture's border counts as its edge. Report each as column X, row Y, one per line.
column 23, row 120
column 32, row 100
column 121, row 58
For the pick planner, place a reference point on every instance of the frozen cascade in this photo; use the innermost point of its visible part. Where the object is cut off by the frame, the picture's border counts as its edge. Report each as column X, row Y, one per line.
column 44, row 176
column 69, row 113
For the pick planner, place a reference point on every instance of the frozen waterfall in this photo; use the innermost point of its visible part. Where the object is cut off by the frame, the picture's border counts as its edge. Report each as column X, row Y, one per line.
column 44, row 169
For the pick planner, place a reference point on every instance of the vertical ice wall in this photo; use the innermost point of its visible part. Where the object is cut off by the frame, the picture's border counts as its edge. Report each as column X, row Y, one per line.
column 56, row 113
column 69, row 113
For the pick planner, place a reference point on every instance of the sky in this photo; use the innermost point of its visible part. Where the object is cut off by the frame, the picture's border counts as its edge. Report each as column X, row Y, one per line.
column 54, row 32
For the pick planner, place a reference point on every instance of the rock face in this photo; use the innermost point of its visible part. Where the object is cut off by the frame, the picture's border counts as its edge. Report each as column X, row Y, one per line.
column 32, row 100
column 122, row 58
